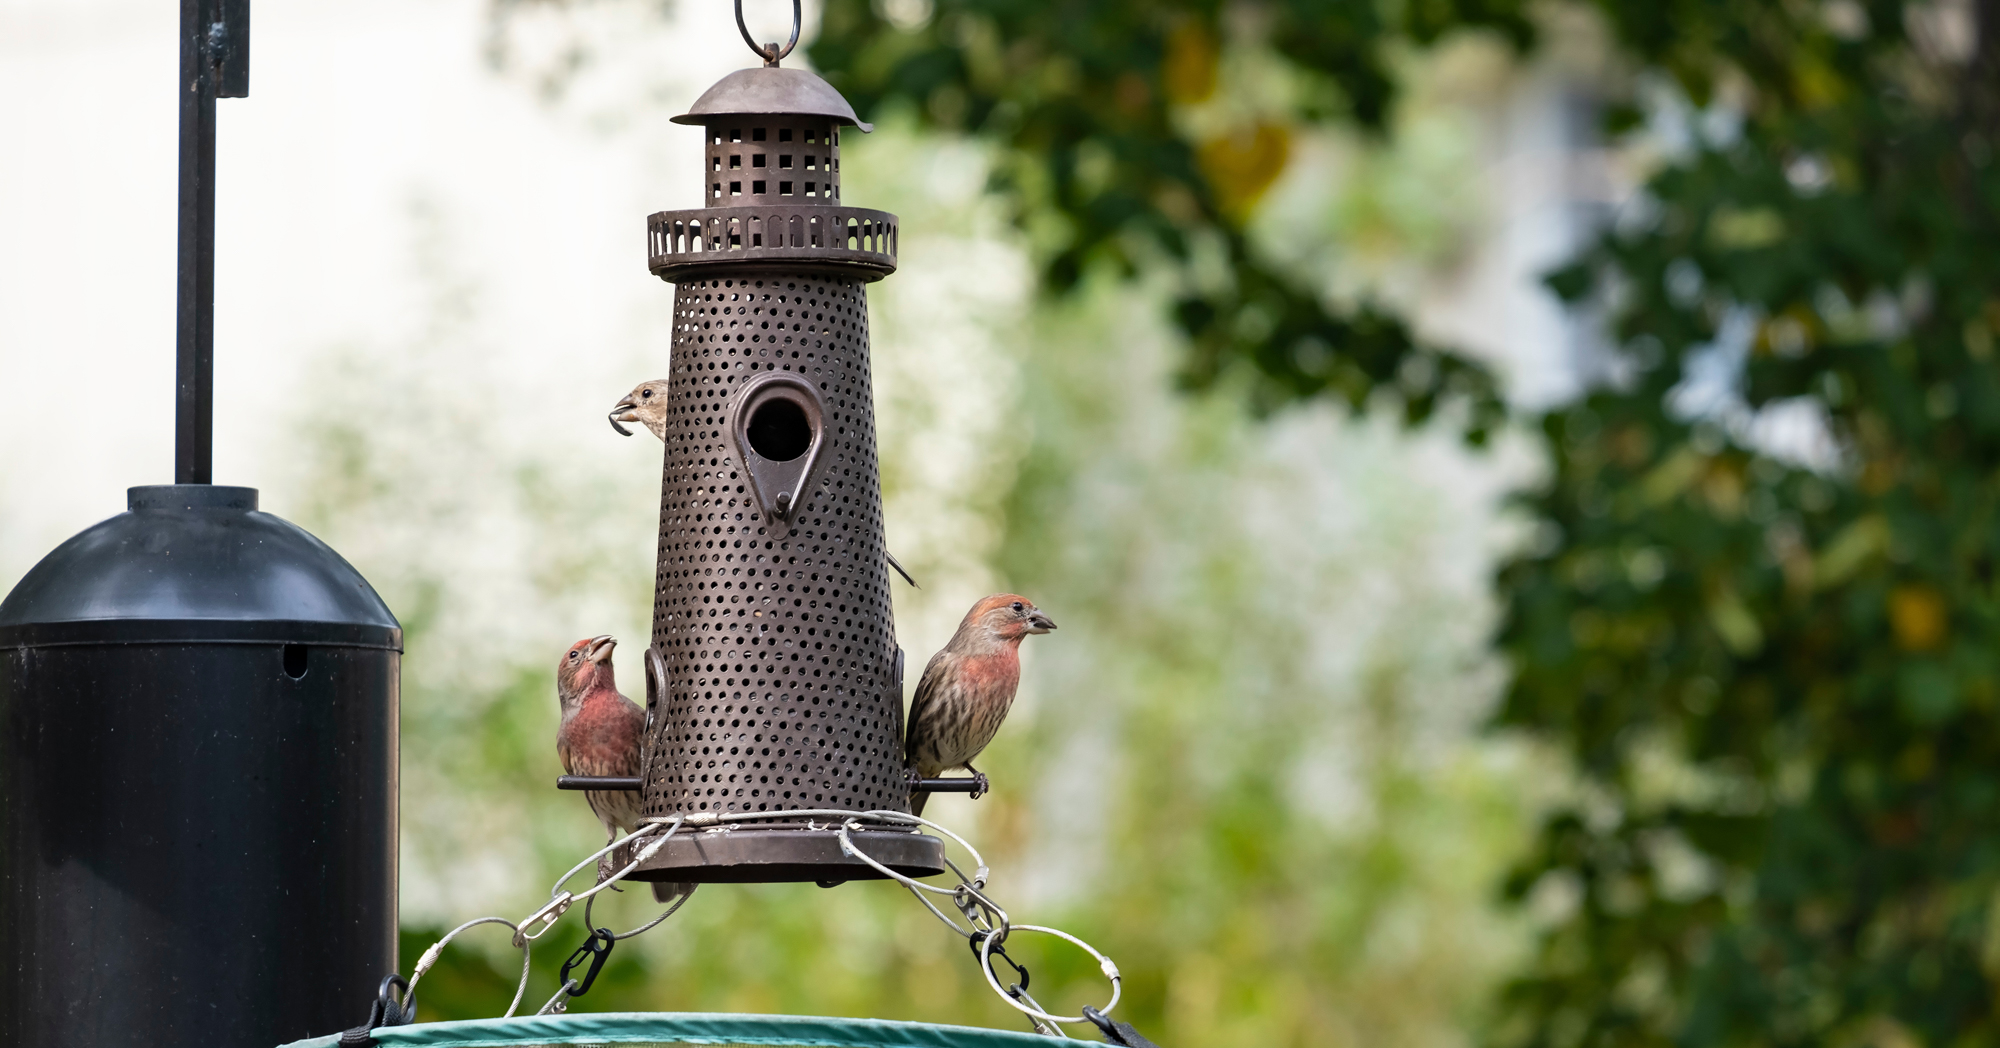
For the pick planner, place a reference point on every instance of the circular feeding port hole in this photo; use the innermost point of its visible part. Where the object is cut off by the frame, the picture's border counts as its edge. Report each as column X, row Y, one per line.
column 779, row 430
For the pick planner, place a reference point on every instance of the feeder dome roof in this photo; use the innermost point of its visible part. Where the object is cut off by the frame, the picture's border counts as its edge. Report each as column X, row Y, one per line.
column 771, row 90
column 196, row 562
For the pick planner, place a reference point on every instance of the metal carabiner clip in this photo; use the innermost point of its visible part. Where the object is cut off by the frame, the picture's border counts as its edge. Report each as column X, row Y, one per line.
column 595, row 953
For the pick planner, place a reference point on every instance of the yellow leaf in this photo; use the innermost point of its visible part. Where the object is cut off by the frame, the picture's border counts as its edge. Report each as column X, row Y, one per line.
column 1242, row 165
column 1187, row 74
column 1917, row 616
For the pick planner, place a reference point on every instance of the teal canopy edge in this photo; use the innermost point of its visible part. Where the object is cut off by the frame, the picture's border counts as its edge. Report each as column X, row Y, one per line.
column 690, row 1028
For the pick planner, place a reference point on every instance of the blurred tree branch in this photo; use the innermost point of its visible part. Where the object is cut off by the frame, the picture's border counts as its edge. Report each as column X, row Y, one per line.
column 1102, row 165
column 1775, row 664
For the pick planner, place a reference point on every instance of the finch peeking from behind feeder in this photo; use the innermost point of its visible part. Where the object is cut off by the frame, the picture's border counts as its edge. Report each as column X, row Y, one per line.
column 646, row 405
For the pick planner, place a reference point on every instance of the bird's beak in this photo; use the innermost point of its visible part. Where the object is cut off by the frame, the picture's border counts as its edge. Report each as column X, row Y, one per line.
column 600, row 648
column 623, row 411
column 1039, row 623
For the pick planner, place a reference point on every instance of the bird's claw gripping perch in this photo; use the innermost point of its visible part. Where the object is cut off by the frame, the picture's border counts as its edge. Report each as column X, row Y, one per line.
column 980, row 785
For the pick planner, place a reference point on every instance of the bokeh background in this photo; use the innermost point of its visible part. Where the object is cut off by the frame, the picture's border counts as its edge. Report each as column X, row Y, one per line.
column 1516, row 480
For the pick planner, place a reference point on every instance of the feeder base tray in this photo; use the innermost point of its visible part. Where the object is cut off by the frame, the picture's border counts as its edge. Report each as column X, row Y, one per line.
column 765, row 856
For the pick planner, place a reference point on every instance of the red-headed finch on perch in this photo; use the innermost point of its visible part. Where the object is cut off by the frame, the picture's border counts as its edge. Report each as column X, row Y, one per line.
column 600, row 735
column 968, row 687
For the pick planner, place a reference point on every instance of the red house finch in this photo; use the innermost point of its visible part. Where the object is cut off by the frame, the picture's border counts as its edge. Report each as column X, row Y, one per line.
column 647, row 405
column 968, row 687
column 600, row 736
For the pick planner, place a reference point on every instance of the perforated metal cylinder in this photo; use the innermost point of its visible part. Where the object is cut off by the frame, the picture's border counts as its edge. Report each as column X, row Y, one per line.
column 778, row 638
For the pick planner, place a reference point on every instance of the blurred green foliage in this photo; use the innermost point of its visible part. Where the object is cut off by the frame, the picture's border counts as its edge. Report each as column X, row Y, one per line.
column 1778, row 671
column 1121, row 148
column 1772, row 659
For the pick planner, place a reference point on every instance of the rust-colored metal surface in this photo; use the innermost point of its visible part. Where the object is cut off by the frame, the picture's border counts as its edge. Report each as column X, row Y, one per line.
column 762, row 856
column 764, row 160
column 849, row 241
column 775, row 679
column 776, row 632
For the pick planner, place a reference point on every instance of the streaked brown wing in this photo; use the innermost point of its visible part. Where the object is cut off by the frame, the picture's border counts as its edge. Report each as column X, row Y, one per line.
column 935, row 672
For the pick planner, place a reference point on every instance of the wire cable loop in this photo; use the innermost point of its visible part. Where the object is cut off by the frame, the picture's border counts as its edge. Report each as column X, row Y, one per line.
column 638, row 858
column 559, row 1003
column 1041, row 1026
column 649, row 925
column 1104, row 964
column 430, row 958
column 847, row 848
column 986, row 924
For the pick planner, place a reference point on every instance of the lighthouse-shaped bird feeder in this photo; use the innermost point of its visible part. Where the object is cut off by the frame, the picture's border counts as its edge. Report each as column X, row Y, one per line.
column 774, row 678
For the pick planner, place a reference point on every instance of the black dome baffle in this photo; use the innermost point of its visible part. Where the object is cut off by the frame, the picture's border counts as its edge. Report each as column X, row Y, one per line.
column 198, row 765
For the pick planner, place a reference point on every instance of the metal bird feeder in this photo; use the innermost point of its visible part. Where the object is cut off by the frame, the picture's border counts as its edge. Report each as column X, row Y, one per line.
column 773, row 680
column 198, row 767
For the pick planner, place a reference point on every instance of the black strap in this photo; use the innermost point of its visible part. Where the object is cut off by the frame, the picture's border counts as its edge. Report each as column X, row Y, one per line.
column 1117, row 1032
column 385, row 1010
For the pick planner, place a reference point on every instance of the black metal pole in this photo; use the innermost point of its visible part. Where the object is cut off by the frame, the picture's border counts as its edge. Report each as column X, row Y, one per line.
column 194, row 336
column 215, row 63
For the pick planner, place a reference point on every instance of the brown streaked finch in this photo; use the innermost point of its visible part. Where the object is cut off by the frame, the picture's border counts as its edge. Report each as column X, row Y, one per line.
column 600, row 735
column 968, row 687
column 647, row 405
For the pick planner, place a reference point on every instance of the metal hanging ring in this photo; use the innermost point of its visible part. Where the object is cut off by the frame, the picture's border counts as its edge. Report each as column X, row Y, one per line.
column 771, row 53
column 986, row 946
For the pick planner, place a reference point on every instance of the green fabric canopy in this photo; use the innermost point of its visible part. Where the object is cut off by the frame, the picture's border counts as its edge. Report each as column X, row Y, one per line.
column 669, row 1028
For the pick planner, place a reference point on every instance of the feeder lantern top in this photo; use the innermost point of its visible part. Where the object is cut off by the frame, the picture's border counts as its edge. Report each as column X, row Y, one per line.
column 771, row 91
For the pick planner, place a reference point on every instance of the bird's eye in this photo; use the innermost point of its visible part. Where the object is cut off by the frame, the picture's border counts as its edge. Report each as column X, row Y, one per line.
column 645, row 393
column 1017, row 605
column 572, row 655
